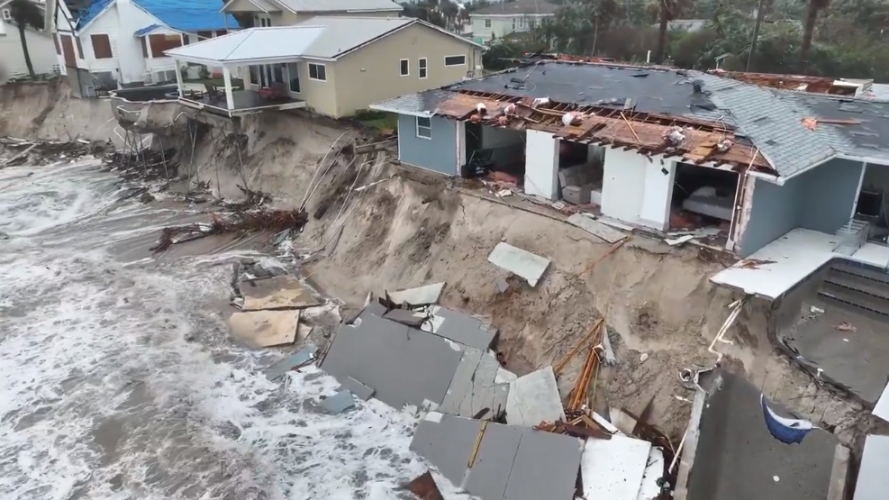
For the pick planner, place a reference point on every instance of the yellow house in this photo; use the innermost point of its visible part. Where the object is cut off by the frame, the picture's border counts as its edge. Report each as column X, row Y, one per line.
column 267, row 13
column 334, row 65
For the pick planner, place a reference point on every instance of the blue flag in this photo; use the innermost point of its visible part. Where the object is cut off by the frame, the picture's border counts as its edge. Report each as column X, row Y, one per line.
column 786, row 430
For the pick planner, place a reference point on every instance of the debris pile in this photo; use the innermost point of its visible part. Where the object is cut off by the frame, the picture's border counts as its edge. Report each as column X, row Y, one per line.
column 238, row 223
column 21, row 151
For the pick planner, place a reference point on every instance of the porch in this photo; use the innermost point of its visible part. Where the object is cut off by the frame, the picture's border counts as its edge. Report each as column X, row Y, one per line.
column 242, row 102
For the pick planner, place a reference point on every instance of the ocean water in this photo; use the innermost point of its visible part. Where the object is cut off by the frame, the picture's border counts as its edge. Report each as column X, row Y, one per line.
column 118, row 379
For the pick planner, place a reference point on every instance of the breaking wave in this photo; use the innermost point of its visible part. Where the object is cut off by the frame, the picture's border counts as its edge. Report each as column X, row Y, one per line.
column 118, row 379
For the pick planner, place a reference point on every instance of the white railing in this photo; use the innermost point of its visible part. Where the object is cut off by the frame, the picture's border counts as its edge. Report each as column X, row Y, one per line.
column 851, row 237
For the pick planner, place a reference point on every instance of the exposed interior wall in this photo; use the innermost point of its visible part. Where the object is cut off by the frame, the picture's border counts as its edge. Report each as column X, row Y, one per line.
column 821, row 199
column 508, row 144
column 438, row 154
column 542, row 164
column 658, row 195
column 12, row 60
column 876, row 179
column 636, row 189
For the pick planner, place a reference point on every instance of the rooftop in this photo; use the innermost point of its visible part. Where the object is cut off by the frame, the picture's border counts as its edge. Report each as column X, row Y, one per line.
column 517, row 8
column 181, row 15
column 341, row 5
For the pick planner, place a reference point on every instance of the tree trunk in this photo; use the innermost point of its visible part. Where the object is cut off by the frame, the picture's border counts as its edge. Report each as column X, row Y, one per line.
column 25, row 52
column 808, row 34
column 661, row 52
column 595, row 37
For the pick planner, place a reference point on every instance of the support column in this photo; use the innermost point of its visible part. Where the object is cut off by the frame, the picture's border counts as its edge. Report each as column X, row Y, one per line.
column 655, row 210
column 229, row 97
column 178, row 77
column 461, row 146
column 542, row 164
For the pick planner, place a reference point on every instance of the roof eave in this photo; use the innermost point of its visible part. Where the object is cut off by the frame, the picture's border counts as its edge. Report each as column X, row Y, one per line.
column 97, row 16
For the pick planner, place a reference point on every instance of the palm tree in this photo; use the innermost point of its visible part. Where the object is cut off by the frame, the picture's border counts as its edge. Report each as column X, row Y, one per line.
column 26, row 14
column 668, row 10
column 812, row 10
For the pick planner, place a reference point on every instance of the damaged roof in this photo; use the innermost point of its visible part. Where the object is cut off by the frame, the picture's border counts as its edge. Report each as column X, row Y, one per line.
column 771, row 121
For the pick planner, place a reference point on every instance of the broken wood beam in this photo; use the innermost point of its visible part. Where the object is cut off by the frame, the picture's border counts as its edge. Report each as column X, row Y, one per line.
column 574, row 350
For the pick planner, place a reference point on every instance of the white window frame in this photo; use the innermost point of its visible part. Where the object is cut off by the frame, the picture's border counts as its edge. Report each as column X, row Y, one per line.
column 429, row 128
column 408, row 61
column 7, row 15
column 290, row 77
column 309, row 71
column 420, row 68
column 521, row 22
column 488, row 22
column 455, row 65
column 513, row 24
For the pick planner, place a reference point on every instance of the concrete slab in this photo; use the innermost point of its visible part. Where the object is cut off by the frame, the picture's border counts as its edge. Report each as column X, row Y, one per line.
column 278, row 369
column 419, row 296
column 460, row 328
column 612, row 469
column 461, row 382
column 489, row 475
column 338, row 403
column 265, row 328
column 653, row 472
column 403, row 365
column 873, row 480
column 484, row 391
column 446, row 442
column 545, row 467
column 839, row 473
column 360, row 390
column 737, row 459
column 519, row 262
column 596, row 228
column 406, row 317
column 280, row 292
column 534, row 398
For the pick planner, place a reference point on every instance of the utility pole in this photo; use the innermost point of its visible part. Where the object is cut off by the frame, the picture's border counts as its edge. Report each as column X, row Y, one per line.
column 760, row 12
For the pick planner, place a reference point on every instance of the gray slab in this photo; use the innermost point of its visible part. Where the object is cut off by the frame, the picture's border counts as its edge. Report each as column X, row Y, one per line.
column 873, row 480
column 737, row 459
column 278, row 369
column 545, row 467
column 484, row 392
column 357, row 388
column 519, row 262
column 461, row 328
column 419, row 296
column 534, row 398
column 338, row 403
column 406, row 317
column 461, row 384
column 490, row 473
column 446, row 444
column 596, row 228
column 403, row 365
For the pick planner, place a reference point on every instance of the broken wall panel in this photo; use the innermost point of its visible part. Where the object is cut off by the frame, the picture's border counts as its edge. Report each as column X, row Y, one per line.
column 534, row 399
column 490, row 473
column 545, row 467
column 280, row 292
column 446, row 442
column 614, row 468
column 461, row 328
column 403, row 365
column 519, row 262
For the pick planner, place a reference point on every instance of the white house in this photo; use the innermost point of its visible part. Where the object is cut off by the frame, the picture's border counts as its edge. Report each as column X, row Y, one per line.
column 12, row 59
column 122, row 42
column 497, row 20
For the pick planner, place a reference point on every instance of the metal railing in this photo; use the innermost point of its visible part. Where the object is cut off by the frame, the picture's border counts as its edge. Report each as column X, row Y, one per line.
column 851, row 237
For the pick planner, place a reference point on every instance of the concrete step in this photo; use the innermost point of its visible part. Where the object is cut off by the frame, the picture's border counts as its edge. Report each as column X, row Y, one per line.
column 854, row 299
column 857, row 283
column 862, row 271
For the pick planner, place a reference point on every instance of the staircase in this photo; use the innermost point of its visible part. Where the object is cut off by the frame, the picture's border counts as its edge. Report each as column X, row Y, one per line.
column 861, row 288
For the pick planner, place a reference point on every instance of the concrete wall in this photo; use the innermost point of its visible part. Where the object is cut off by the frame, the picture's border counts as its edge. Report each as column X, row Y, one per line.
column 542, row 164
column 821, row 199
column 438, row 154
column 372, row 73
column 12, row 59
column 636, row 190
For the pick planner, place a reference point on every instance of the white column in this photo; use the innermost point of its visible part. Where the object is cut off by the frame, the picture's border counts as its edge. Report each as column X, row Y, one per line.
column 178, row 77
column 542, row 164
column 461, row 146
column 658, row 194
column 229, row 97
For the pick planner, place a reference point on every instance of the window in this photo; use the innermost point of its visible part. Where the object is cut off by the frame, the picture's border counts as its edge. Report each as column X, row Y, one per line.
column 278, row 73
column 204, row 35
column 422, row 66
column 487, row 23
column 6, row 15
column 424, row 127
column 513, row 24
column 455, row 60
column 405, row 67
column 55, row 41
column 79, row 48
column 144, row 48
column 254, row 75
column 221, row 33
column 101, row 46
column 532, row 23
column 317, row 72
column 521, row 22
column 161, row 43
column 293, row 74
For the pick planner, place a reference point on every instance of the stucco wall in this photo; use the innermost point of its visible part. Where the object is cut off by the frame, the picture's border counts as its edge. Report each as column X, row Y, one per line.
column 372, row 73
column 636, row 190
column 438, row 154
column 12, row 59
column 820, row 199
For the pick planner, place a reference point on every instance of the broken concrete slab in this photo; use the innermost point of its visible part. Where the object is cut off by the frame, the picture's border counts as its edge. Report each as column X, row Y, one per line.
column 407, row 317
column 596, row 228
column 873, row 482
column 424, row 487
column 403, row 365
column 265, row 328
column 505, row 376
column 512, row 463
column 881, row 409
column 460, row 328
column 360, row 390
column 519, row 262
column 419, row 296
column 300, row 358
column 461, row 382
column 534, row 398
column 446, row 442
column 473, row 387
column 614, row 468
column 280, row 292
column 338, row 403
column 654, row 471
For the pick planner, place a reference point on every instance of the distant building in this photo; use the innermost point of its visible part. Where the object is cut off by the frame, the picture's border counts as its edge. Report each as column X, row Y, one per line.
column 12, row 59
column 689, row 25
column 495, row 21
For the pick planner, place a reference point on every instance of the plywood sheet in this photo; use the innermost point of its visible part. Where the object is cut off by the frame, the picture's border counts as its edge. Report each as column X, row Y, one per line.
column 265, row 328
column 280, row 292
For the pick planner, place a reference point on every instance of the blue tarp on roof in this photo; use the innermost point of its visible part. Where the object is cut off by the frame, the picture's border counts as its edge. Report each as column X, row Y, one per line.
column 182, row 15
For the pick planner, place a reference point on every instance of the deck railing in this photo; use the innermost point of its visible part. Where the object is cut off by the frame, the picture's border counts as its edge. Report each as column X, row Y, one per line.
column 851, row 237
